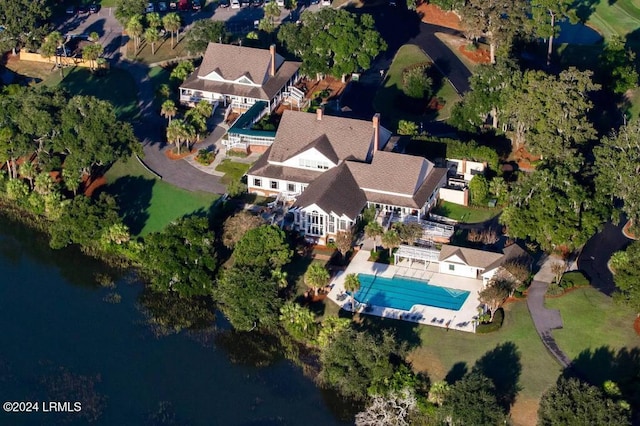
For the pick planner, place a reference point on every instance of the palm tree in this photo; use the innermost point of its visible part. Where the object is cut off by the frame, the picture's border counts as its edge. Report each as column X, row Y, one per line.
column 374, row 230
column 196, row 121
column 153, row 19
column 152, row 35
column 176, row 133
column 91, row 53
column 390, row 240
column 135, row 30
column 352, row 285
column 171, row 23
column 28, row 171
column 168, row 110
column 316, row 277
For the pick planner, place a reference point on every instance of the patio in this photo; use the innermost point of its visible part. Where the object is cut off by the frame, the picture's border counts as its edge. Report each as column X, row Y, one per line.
column 462, row 320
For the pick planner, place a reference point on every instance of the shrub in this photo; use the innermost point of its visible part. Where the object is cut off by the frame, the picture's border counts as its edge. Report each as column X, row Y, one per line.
column 554, row 290
column 574, row 279
column 498, row 319
column 416, row 83
column 205, row 157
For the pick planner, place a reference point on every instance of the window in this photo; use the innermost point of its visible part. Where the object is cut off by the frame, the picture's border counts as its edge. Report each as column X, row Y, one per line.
column 291, row 187
column 342, row 225
column 257, row 182
column 452, row 267
column 331, row 227
column 274, row 184
column 313, row 164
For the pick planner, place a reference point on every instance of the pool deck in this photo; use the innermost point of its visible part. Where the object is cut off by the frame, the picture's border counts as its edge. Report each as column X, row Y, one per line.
column 461, row 320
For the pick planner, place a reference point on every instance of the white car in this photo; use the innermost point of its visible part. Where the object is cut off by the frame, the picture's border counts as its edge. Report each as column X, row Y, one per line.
column 150, row 8
column 235, row 4
column 325, row 3
column 280, row 3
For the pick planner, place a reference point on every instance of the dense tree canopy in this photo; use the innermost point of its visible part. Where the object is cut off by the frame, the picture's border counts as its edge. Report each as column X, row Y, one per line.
column 572, row 402
column 333, row 41
column 23, row 22
column 181, row 258
column 203, row 32
column 617, row 161
column 497, row 21
column 127, row 9
column 627, row 275
column 263, row 247
column 236, row 226
column 355, row 362
column 549, row 113
column 551, row 207
column 472, row 401
column 545, row 17
column 248, row 298
column 618, row 72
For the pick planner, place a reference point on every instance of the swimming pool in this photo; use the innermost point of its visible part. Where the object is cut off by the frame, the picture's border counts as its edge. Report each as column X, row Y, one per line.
column 403, row 293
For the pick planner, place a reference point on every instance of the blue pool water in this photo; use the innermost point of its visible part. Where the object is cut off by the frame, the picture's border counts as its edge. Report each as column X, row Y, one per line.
column 403, row 293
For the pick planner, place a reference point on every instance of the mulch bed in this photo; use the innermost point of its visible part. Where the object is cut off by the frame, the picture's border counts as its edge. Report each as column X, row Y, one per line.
column 636, row 326
column 626, row 230
column 432, row 14
column 175, row 156
column 524, row 159
column 90, row 185
column 478, row 56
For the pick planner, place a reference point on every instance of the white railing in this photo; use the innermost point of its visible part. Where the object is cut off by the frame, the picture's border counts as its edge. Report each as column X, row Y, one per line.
column 416, row 253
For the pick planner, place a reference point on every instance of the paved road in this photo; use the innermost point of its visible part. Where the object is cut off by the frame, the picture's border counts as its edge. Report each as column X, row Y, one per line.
column 545, row 319
column 596, row 254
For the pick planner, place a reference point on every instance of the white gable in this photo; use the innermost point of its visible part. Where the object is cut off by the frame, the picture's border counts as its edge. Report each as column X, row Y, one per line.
column 310, row 159
column 214, row 76
column 313, row 207
column 454, row 259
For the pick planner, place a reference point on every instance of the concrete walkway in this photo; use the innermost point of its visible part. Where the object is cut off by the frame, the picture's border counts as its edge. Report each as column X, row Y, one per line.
column 545, row 319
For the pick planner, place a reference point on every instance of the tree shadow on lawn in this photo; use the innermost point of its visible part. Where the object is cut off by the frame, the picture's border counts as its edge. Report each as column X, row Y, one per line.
column 502, row 365
column 602, row 364
column 133, row 194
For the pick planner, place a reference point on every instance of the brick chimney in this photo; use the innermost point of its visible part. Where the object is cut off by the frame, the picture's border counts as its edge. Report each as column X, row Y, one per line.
column 272, row 69
column 319, row 113
column 376, row 132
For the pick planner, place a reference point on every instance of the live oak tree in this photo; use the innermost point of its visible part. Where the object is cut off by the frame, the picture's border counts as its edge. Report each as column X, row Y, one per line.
column 548, row 113
column 617, row 165
column 333, row 41
column 202, row 33
column 491, row 87
column 472, row 401
column 545, row 17
column 126, row 9
column 265, row 247
column 24, row 23
column 248, row 298
column 354, row 362
column 181, row 258
column 237, row 226
column 617, row 70
column 496, row 20
column 572, row 401
column 627, row 276
column 550, row 206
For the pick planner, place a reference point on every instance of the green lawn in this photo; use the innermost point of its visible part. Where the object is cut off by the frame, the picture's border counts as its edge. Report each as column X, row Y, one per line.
column 592, row 320
column 149, row 204
column 620, row 17
column 385, row 100
column 465, row 214
column 115, row 85
column 232, row 170
column 163, row 50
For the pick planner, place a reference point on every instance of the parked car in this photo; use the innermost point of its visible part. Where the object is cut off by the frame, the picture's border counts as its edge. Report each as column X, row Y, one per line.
column 235, row 4
column 183, row 5
column 83, row 8
column 173, row 5
column 93, row 8
column 63, row 51
column 325, row 3
column 150, row 8
column 245, row 3
column 196, row 5
column 223, row 4
column 257, row 3
column 162, row 7
column 280, row 3
column 71, row 10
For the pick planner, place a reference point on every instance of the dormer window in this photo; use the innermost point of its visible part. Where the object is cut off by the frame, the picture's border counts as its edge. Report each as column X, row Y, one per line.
column 244, row 80
column 313, row 164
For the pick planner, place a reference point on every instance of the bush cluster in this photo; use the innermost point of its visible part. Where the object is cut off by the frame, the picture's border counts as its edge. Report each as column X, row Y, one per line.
column 495, row 325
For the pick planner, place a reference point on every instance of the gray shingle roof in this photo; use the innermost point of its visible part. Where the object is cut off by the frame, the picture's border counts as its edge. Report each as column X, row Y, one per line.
column 350, row 139
column 262, row 168
column 232, row 62
column 268, row 90
column 392, row 172
column 335, row 191
column 477, row 258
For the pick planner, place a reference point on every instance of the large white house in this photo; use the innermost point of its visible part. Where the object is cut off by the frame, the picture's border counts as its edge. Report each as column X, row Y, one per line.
column 334, row 167
column 240, row 77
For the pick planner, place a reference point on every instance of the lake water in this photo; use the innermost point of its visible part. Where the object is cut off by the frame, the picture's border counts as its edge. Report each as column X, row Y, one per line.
column 61, row 341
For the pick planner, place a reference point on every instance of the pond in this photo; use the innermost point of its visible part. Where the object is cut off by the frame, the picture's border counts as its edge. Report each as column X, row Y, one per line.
column 67, row 339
